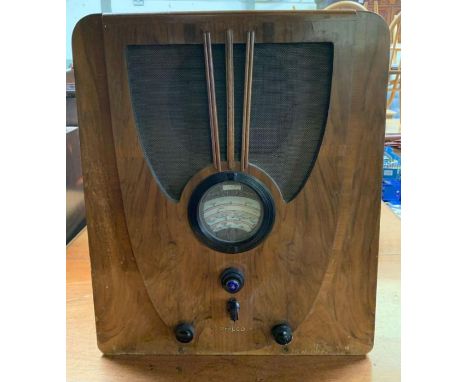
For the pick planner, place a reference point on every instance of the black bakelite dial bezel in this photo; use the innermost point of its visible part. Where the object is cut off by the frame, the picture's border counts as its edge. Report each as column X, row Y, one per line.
column 221, row 246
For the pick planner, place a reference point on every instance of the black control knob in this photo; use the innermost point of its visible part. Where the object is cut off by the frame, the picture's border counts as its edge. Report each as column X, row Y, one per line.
column 232, row 280
column 233, row 308
column 184, row 332
column 282, row 334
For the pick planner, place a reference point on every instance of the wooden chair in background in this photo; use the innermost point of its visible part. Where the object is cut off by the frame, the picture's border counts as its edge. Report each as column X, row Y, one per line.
column 394, row 70
column 346, row 5
column 394, row 79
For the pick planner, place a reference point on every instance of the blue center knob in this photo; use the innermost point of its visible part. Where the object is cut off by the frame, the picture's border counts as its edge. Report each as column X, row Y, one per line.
column 232, row 280
column 233, row 285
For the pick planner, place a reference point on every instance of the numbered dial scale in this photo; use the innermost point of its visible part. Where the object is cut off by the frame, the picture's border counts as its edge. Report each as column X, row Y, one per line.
column 231, row 212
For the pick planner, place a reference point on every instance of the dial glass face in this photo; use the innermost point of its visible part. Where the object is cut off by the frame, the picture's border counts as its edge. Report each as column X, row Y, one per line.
column 230, row 212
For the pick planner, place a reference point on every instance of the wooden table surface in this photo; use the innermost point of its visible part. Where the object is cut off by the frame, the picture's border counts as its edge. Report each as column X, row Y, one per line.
column 85, row 363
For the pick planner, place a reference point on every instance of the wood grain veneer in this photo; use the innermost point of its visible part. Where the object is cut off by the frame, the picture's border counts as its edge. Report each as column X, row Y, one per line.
column 317, row 269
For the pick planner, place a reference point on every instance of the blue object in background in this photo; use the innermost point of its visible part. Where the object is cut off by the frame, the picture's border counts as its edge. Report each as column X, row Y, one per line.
column 391, row 191
column 391, row 183
column 395, row 105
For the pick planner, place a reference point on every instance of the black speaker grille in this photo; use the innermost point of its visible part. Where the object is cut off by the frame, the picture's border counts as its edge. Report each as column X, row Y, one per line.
column 290, row 98
column 170, row 104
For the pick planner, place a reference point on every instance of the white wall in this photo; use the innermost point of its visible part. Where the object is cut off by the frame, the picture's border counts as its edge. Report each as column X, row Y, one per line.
column 76, row 10
column 127, row 6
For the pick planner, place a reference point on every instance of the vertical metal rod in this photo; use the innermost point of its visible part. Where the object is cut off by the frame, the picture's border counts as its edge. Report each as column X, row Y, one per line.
column 212, row 101
column 230, row 97
column 247, row 99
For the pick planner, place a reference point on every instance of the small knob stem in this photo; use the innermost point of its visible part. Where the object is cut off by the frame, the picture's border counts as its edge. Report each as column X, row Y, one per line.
column 233, row 308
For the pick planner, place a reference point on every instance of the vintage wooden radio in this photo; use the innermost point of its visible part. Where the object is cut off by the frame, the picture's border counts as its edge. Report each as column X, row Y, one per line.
column 232, row 166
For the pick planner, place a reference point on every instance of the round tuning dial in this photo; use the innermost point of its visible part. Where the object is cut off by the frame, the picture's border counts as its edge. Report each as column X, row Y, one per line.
column 184, row 332
column 232, row 280
column 231, row 212
column 282, row 334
